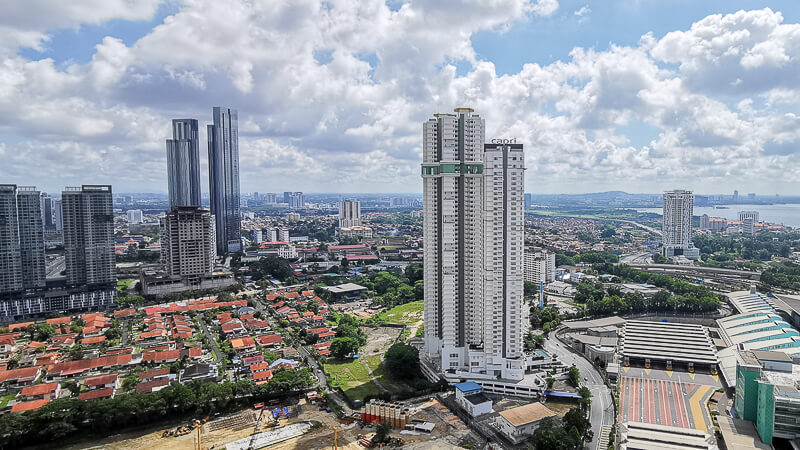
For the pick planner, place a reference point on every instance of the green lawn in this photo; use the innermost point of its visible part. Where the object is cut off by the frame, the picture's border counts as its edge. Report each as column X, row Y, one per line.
column 4, row 401
column 407, row 314
column 123, row 284
column 352, row 377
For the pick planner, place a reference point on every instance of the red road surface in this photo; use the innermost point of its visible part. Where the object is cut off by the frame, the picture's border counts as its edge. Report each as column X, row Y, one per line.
column 680, row 405
column 663, row 400
column 622, row 398
column 635, row 397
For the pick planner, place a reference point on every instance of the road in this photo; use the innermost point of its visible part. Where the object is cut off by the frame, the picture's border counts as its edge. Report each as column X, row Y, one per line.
column 211, row 341
column 55, row 267
column 637, row 258
column 602, row 410
column 698, row 269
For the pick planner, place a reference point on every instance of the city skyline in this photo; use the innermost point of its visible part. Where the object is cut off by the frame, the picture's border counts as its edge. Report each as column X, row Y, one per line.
column 596, row 104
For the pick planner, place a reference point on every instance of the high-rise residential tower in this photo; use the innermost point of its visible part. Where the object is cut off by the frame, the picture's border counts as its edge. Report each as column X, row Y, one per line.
column 294, row 199
column 88, row 235
column 183, row 164
column 473, row 218
column 188, row 242
column 349, row 213
column 676, row 226
column 223, row 178
column 22, row 263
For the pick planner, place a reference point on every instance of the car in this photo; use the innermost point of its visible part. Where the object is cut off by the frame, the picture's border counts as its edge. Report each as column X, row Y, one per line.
column 585, row 378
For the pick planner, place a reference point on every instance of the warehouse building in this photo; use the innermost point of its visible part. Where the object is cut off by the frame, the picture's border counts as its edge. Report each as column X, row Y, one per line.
column 668, row 344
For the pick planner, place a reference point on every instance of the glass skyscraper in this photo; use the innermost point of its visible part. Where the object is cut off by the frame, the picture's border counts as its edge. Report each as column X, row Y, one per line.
column 223, row 178
column 183, row 164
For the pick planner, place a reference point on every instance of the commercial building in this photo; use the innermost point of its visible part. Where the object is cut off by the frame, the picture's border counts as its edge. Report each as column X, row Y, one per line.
column 760, row 330
column 705, row 222
column 767, row 394
column 349, row 213
column 540, row 265
column 223, row 178
column 677, row 224
column 188, row 242
column 748, row 226
column 668, row 344
column 518, row 424
column 748, row 215
column 346, row 291
column 473, row 230
column 357, row 231
column 134, row 216
column 89, row 235
column 22, row 263
column 294, row 199
column 183, row 164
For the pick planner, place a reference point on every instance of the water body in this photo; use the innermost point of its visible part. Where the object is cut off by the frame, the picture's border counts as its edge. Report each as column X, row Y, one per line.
column 787, row 214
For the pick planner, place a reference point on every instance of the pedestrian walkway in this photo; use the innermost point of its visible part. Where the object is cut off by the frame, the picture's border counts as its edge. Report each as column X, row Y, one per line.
column 603, row 440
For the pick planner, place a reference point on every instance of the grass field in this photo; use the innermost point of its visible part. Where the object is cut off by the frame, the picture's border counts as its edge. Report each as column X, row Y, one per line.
column 408, row 314
column 4, row 401
column 352, row 377
column 123, row 284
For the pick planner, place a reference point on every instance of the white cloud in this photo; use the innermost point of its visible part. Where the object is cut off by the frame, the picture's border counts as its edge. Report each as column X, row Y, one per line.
column 705, row 104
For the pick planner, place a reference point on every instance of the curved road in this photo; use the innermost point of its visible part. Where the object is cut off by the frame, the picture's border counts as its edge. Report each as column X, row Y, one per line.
column 602, row 409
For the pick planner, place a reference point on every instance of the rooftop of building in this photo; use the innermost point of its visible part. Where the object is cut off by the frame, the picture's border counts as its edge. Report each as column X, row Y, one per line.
column 468, row 386
column 526, row 414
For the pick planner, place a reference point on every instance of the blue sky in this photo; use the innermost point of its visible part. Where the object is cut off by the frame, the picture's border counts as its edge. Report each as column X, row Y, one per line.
column 331, row 95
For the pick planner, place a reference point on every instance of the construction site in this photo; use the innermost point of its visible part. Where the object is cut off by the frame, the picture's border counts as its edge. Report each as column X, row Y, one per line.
column 302, row 425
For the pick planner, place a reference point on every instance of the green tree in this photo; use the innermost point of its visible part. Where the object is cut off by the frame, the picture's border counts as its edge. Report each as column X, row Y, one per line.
column 382, row 431
column 574, row 376
column 344, row 346
column 586, row 397
column 76, row 352
column 402, row 361
column 44, row 331
column 550, row 382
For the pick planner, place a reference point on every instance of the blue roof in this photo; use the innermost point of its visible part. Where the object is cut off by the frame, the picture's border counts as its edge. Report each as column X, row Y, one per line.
column 469, row 386
column 562, row 394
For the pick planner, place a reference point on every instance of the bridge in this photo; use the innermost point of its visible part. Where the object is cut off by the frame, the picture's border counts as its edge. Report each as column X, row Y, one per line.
column 698, row 270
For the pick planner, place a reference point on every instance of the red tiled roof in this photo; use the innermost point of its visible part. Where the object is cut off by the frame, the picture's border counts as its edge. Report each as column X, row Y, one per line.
column 168, row 355
column 101, row 380
column 308, row 293
column 58, row 320
column 39, row 389
column 356, row 257
column 195, row 352
column 259, row 367
column 29, row 406
column 292, row 295
column 328, row 334
column 153, row 373
column 346, row 247
column 97, row 393
column 146, row 387
column 242, row 342
column 87, row 364
column 324, row 352
column 250, row 360
column 308, row 314
column 319, row 330
column 270, row 339
column 93, row 340
column 229, row 327
column 267, row 374
column 124, row 312
column 19, row 374
column 20, row 326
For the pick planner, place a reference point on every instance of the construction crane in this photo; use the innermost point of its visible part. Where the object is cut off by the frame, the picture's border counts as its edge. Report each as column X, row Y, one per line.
column 197, row 426
column 255, row 429
column 335, row 438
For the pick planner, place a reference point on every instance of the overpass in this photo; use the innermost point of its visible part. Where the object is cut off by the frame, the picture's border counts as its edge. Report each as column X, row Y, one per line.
column 698, row 270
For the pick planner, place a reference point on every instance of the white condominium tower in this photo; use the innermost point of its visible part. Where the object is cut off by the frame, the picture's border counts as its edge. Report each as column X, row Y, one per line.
column 677, row 224
column 349, row 213
column 188, row 242
column 473, row 229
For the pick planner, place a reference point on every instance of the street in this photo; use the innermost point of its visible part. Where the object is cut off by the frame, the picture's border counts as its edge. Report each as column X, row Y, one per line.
column 602, row 410
column 211, row 341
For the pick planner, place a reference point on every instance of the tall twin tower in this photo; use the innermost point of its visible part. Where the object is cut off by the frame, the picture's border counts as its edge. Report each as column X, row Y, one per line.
column 183, row 167
column 474, row 241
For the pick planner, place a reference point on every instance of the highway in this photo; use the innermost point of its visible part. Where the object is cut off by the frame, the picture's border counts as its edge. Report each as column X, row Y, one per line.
column 55, row 267
column 637, row 258
column 697, row 269
column 601, row 414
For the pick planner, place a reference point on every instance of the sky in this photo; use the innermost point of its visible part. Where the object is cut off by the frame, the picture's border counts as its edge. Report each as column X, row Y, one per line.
column 633, row 95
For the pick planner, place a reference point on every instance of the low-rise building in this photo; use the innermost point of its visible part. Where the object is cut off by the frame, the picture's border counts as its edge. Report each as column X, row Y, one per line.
column 470, row 397
column 518, row 424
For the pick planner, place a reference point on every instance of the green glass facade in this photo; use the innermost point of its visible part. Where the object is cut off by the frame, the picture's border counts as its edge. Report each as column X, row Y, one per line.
column 766, row 412
column 746, row 402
